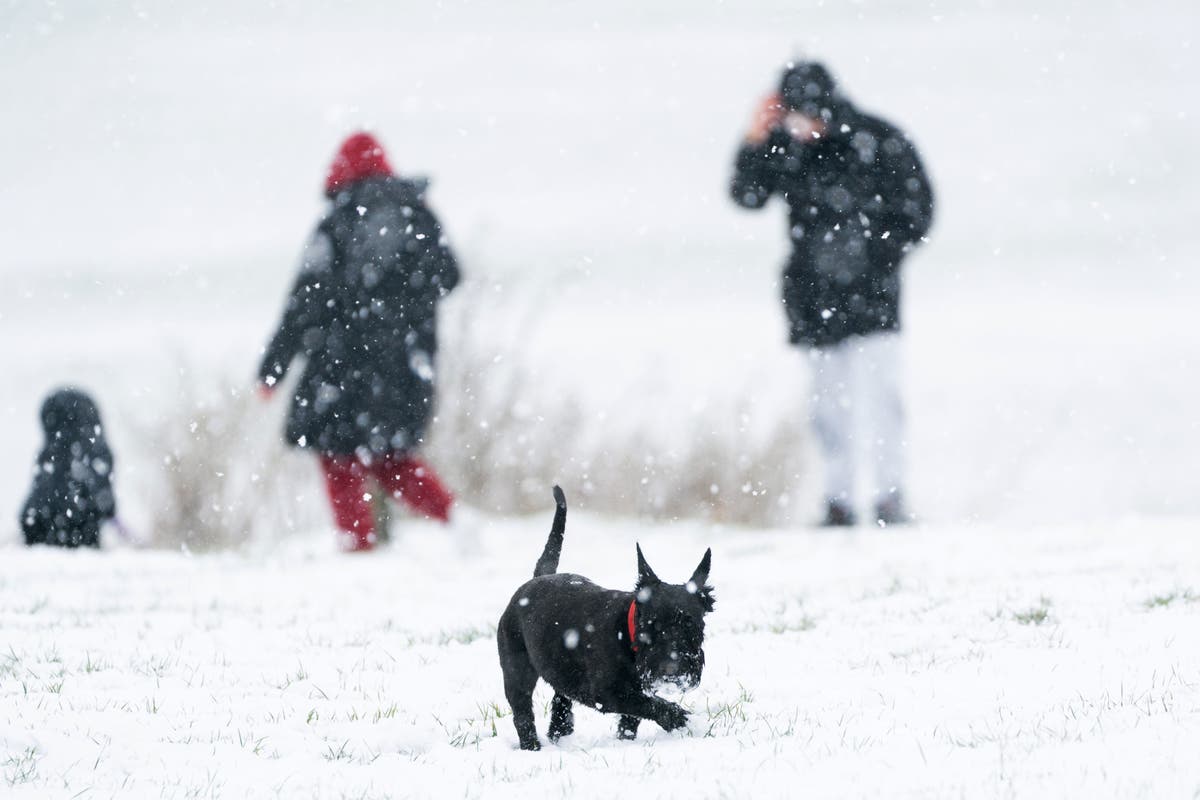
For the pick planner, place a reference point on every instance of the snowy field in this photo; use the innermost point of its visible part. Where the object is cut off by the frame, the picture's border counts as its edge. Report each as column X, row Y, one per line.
column 1035, row 637
column 1041, row 662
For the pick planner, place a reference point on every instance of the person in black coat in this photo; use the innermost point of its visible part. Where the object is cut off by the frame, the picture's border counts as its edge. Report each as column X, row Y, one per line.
column 362, row 314
column 858, row 202
column 72, row 491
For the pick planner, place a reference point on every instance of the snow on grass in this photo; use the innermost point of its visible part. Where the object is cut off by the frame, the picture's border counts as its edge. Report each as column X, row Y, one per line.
column 939, row 661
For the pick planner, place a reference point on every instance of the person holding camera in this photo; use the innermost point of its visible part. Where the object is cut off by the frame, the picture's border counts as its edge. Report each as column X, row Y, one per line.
column 859, row 201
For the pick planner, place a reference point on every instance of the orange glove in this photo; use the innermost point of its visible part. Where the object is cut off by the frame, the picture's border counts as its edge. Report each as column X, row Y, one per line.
column 767, row 116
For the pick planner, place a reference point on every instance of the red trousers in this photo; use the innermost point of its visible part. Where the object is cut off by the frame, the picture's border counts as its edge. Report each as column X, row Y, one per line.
column 402, row 476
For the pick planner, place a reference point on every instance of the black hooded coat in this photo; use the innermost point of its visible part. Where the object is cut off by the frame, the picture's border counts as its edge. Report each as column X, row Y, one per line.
column 363, row 315
column 858, row 200
column 72, row 481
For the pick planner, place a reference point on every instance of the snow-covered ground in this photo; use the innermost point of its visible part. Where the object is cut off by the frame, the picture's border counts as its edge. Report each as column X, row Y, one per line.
column 1037, row 636
column 944, row 662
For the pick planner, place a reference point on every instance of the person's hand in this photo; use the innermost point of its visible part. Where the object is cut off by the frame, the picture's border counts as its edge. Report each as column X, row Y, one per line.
column 803, row 129
column 767, row 116
column 265, row 392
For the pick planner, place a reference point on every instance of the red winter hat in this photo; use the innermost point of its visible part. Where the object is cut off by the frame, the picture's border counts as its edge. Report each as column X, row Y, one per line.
column 360, row 156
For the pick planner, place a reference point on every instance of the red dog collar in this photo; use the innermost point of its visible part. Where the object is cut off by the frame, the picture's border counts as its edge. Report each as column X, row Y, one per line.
column 633, row 643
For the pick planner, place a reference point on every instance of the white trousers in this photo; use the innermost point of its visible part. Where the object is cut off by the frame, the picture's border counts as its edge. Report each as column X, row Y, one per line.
column 856, row 386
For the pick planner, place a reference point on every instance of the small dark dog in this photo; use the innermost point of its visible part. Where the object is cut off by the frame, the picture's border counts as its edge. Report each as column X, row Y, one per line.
column 72, row 492
column 600, row 647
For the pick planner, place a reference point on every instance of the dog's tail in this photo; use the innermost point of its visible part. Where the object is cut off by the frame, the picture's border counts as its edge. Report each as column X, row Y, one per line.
column 548, row 563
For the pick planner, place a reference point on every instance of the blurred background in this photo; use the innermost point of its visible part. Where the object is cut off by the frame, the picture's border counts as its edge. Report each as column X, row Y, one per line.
column 620, row 331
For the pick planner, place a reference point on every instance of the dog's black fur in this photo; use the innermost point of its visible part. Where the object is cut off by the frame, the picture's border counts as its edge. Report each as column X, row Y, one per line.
column 573, row 634
column 72, row 494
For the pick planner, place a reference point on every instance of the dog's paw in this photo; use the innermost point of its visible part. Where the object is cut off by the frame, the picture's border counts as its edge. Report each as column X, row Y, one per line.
column 673, row 718
column 556, row 732
column 627, row 727
column 533, row 744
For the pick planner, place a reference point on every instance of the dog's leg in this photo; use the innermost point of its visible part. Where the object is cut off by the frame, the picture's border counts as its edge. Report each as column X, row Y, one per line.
column 669, row 716
column 627, row 727
column 519, row 679
column 562, row 718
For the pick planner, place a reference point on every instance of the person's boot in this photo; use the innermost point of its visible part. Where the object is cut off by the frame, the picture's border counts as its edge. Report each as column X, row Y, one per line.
column 838, row 515
column 891, row 511
column 356, row 542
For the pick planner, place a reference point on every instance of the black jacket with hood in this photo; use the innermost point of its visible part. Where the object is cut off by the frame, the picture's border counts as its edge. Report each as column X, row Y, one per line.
column 363, row 315
column 858, row 200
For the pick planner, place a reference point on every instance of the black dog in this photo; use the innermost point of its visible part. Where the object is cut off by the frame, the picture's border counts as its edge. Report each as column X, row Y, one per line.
column 600, row 647
column 72, row 486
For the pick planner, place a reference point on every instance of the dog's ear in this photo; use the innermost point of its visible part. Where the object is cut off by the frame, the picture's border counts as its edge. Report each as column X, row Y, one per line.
column 698, row 583
column 646, row 576
column 700, row 576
